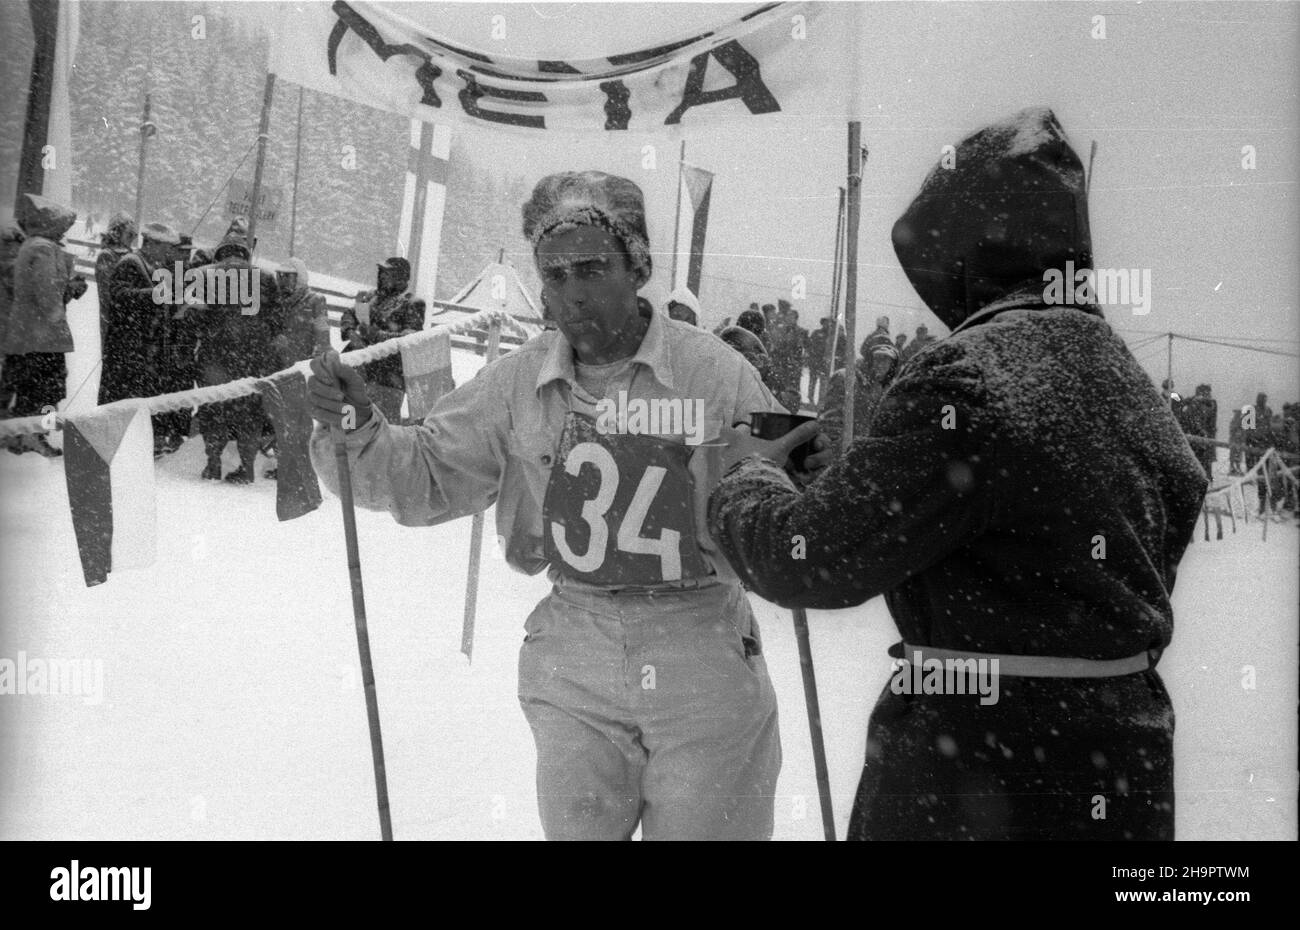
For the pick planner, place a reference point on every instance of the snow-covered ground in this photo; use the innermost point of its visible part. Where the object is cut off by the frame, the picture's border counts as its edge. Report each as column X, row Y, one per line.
column 232, row 707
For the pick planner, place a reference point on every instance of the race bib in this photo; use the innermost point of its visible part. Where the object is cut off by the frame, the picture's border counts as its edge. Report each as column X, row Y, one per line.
column 619, row 509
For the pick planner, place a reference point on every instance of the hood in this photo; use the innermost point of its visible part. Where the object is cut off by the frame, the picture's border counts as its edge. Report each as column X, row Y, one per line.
column 684, row 296
column 235, row 240
column 1013, row 205
column 43, row 217
column 399, row 275
column 886, row 349
column 298, row 267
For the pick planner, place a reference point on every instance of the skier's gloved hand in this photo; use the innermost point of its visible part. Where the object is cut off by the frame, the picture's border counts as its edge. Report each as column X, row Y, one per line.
column 337, row 392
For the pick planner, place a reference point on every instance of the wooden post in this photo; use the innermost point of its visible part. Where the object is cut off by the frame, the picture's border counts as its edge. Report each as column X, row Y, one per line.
column 677, row 221
column 297, row 163
column 256, row 195
column 476, row 530
column 363, row 634
column 851, row 275
column 836, row 265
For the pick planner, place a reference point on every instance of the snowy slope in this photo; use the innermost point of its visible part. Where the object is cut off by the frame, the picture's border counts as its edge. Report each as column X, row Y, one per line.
column 232, row 706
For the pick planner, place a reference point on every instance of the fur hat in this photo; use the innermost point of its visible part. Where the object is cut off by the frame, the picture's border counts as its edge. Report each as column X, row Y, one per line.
column 561, row 202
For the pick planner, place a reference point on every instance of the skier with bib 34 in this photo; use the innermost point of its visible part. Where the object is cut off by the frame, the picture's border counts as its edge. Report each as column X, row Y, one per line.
column 641, row 673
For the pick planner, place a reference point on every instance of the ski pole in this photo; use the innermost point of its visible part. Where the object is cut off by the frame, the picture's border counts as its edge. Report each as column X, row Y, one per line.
column 814, row 721
column 363, row 636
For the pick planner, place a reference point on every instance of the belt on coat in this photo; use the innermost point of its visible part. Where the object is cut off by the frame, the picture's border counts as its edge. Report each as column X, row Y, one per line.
column 1034, row 666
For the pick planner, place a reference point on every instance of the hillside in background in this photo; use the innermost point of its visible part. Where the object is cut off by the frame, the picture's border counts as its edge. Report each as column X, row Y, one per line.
column 206, row 99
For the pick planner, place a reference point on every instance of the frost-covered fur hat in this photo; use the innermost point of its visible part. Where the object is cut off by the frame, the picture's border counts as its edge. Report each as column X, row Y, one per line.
column 563, row 201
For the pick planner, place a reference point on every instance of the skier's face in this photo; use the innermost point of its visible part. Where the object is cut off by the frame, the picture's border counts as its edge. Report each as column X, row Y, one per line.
column 589, row 287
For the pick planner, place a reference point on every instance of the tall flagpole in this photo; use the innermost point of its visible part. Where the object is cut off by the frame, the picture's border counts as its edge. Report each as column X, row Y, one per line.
column 851, row 274
column 256, row 195
column 837, row 265
column 677, row 223
column 297, row 163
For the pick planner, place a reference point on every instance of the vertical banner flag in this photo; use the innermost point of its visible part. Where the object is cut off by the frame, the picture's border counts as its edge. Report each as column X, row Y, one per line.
column 284, row 398
column 58, row 174
column 424, row 202
column 108, row 466
column 426, row 365
column 695, row 188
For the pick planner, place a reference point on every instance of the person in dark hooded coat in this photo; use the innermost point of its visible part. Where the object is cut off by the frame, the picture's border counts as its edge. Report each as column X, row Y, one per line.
column 377, row 316
column 873, row 374
column 36, row 336
column 234, row 345
column 999, row 517
column 115, row 244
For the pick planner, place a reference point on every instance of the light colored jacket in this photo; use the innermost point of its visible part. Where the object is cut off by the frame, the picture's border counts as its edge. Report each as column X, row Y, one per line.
column 38, row 319
column 493, row 440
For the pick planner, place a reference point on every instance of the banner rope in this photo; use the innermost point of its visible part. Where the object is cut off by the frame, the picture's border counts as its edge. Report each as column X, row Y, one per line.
column 245, row 387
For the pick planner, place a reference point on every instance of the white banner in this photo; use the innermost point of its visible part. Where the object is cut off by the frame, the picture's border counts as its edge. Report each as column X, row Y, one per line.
column 790, row 59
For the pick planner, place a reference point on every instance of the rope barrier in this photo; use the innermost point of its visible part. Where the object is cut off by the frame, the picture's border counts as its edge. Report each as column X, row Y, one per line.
column 244, row 387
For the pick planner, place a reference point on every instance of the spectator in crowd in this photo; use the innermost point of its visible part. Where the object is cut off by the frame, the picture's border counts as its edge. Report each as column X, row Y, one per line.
column 177, row 356
column 37, row 337
column 1257, row 439
column 747, row 344
column 817, row 360
column 115, row 243
column 753, row 321
column 878, row 336
column 921, row 340
column 786, row 347
column 303, row 314
column 1235, row 452
column 769, row 319
column 377, row 316
column 133, row 322
column 234, row 345
column 684, row 306
column 11, row 239
column 873, row 374
column 1202, row 412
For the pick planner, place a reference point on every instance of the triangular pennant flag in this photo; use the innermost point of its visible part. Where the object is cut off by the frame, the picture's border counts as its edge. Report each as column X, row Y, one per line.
column 284, row 398
column 426, row 364
column 108, row 465
column 697, row 182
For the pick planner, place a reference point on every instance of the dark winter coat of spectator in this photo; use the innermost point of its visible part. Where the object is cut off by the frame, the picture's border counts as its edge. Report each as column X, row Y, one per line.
column 873, row 374
column 878, row 336
column 1235, row 453
column 117, row 241
column 920, row 341
column 133, row 320
column 37, row 337
column 304, row 316
column 983, row 536
column 233, row 345
column 1257, row 438
column 11, row 238
column 747, row 344
column 377, row 316
column 1202, row 416
column 753, row 321
column 785, row 344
